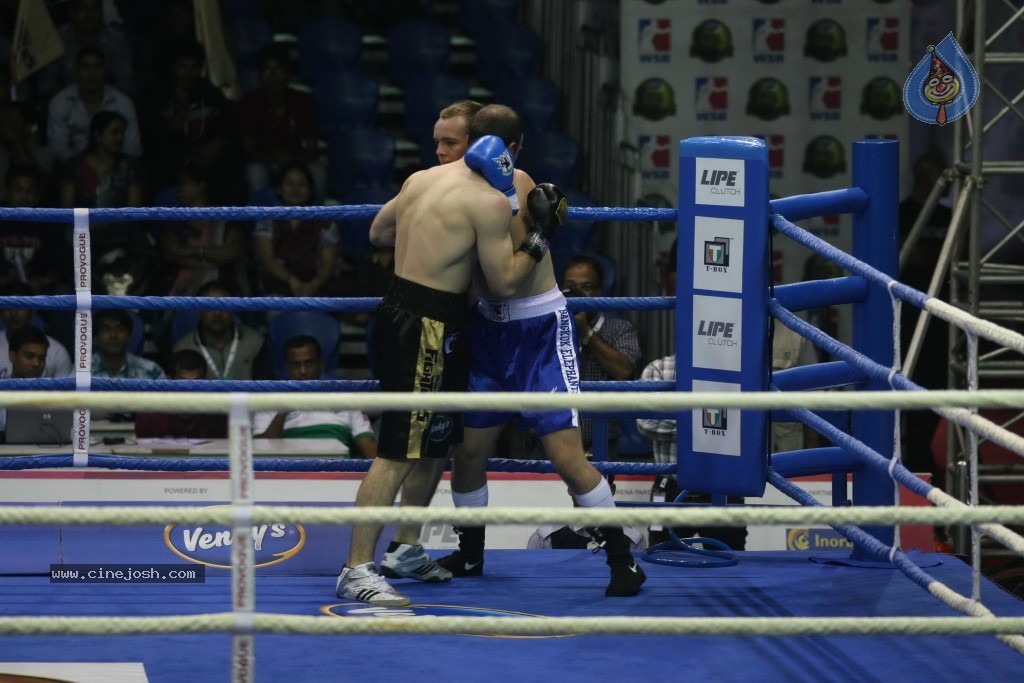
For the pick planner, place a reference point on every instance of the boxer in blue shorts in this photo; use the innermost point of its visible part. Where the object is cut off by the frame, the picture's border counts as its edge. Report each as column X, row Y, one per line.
column 526, row 342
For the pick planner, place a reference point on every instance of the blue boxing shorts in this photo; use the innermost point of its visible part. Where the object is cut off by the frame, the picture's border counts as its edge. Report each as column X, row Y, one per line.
column 525, row 345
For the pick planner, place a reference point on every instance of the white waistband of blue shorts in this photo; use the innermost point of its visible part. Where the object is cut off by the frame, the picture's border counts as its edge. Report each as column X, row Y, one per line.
column 521, row 309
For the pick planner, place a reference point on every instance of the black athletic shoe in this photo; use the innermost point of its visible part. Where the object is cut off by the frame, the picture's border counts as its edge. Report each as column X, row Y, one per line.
column 627, row 577
column 458, row 565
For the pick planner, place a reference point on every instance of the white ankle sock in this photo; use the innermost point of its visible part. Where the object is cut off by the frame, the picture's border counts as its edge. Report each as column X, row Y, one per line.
column 600, row 497
column 473, row 499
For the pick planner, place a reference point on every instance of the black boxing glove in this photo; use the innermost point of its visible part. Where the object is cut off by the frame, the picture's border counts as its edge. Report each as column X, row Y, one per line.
column 548, row 208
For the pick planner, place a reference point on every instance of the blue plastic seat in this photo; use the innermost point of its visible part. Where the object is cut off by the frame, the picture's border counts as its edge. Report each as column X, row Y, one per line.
column 477, row 15
column 346, row 99
column 518, row 56
column 355, row 232
column 183, row 323
column 327, row 46
column 577, row 235
column 137, row 342
column 361, row 157
column 550, row 158
column 248, row 36
column 320, row 325
column 424, row 99
column 417, row 47
column 536, row 100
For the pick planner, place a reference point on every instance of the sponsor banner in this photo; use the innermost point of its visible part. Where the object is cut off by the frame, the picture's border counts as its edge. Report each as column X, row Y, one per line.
column 718, row 254
column 809, row 83
column 716, row 430
column 717, row 333
column 310, row 549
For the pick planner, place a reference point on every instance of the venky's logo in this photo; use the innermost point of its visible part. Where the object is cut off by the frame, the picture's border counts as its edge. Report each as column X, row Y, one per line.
column 211, row 545
column 943, row 86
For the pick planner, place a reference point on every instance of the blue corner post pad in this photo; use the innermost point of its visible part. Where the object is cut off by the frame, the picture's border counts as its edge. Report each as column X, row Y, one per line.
column 721, row 311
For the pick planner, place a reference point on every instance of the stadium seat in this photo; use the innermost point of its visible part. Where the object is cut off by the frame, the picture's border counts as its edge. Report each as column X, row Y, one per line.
column 327, row 46
column 550, row 158
column 360, row 157
column 248, row 36
column 475, row 15
column 346, row 99
column 291, row 323
column 576, row 235
column 417, row 47
column 355, row 232
column 183, row 323
column 536, row 100
column 424, row 98
column 517, row 58
column 138, row 340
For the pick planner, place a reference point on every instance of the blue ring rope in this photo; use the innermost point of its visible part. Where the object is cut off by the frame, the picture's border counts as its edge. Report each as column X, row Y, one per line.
column 220, row 464
column 259, row 386
column 255, row 213
column 855, row 534
column 67, row 302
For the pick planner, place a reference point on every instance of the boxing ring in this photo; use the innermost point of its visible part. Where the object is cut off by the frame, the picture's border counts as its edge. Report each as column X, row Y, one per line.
column 772, row 616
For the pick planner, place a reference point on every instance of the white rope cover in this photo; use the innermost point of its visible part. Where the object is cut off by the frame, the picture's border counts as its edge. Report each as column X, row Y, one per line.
column 271, row 514
column 704, row 626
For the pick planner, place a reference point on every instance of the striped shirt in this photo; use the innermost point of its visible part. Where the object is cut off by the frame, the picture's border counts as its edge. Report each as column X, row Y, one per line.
column 345, row 426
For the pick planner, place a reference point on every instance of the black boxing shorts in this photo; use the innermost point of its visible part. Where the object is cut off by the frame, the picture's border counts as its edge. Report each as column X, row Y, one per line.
column 421, row 344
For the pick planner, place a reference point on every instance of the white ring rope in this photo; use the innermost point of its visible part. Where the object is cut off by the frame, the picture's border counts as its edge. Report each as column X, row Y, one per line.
column 711, row 516
column 551, row 626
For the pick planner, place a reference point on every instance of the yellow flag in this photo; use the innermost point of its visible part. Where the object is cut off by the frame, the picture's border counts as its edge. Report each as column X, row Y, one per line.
column 36, row 42
column 220, row 68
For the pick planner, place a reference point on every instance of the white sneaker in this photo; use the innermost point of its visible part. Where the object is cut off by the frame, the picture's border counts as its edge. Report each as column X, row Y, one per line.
column 364, row 584
column 412, row 562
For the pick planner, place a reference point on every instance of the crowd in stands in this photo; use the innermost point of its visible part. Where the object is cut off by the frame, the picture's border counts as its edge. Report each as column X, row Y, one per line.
column 127, row 117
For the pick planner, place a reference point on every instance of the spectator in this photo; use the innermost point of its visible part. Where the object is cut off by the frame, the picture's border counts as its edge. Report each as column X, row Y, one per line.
column 20, row 140
column 26, row 355
column 573, row 537
column 103, row 176
column 86, row 28
column 662, row 433
column 58, row 362
column 186, row 365
column 609, row 347
column 199, row 251
column 279, row 125
column 231, row 350
column 298, row 257
column 351, row 428
column 32, row 253
column 72, row 110
column 186, row 119
column 112, row 333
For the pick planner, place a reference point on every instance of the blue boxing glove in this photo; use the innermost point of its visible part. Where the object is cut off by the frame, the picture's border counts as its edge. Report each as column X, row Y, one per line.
column 548, row 210
column 489, row 157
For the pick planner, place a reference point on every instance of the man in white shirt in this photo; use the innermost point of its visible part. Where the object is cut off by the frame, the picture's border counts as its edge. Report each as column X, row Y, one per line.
column 26, row 357
column 72, row 108
column 57, row 360
column 303, row 360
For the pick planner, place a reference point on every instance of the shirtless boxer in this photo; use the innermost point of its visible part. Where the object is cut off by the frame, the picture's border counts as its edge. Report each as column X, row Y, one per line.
column 445, row 222
column 534, row 328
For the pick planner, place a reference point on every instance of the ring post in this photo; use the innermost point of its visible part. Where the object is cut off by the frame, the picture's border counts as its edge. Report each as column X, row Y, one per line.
column 722, row 311
column 875, row 242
